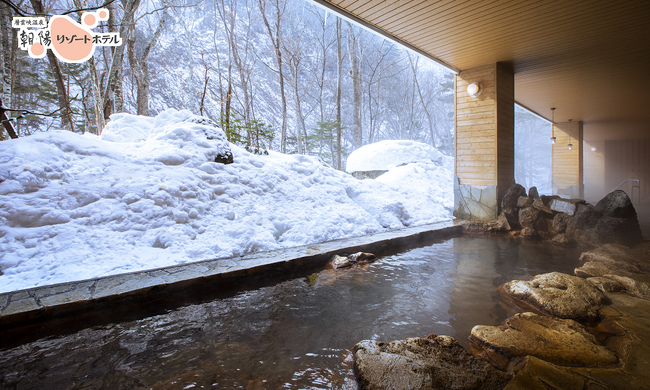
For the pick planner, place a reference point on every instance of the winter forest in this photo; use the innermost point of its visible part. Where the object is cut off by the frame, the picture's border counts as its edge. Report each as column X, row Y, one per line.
column 285, row 76
column 275, row 75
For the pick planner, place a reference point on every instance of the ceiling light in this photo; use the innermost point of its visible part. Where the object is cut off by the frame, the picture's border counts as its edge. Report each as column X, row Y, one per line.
column 570, row 145
column 553, row 139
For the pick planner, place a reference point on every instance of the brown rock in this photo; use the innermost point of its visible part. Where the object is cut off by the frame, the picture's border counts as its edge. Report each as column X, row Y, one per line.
column 632, row 286
column 540, row 375
column 616, row 204
column 533, row 193
column 509, row 201
column 539, row 205
column 560, row 222
column 559, row 295
column 531, row 217
column 606, row 284
column 524, row 201
column 435, row 362
column 586, row 217
column 561, row 239
column 558, row 341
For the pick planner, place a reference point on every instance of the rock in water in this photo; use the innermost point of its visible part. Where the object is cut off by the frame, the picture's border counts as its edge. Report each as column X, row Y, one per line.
column 362, row 257
column 558, row 341
column 434, row 362
column 341, row 262
column 559, row 295
column 355, row 258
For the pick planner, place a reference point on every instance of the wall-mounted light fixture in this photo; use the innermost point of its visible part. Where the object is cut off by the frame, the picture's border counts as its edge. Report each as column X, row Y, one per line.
column 570, row 145
column 553, row 139
column 474, row 89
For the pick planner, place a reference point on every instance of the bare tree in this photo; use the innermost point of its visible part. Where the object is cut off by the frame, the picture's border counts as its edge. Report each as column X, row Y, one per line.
column 64, row 101
column 113, row 100
column 355, row 73
column 276, row 41
column 140, row 66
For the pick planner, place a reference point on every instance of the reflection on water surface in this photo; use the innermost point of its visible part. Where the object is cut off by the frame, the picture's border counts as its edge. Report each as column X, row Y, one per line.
column 294, row 334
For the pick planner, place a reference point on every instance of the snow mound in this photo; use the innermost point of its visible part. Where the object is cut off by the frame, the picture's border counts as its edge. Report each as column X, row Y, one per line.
column 384, row 155
column 74, row 207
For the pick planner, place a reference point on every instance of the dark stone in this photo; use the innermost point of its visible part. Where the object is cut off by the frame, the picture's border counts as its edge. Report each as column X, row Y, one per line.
column 533, row 218
column 623, row 231
column 532, row 192
column 434, row 362
column 616, row 204
column 524, row 201
column 509, row 201
column 224, row 158
column 585, row 218
column 560, row 222
column 528, row 232
column 508, row 222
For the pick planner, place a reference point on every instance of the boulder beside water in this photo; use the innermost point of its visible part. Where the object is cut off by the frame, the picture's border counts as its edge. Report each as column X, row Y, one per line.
column 554, row 340
column 559, row 295
column 434, row 362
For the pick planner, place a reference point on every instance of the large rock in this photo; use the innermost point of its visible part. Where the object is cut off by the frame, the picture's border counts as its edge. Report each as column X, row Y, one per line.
column 560, row 222
column 614, row 259
column 533, row 218
column 524, row 201
column 540, row 375
column 541, row 206
column 563, row 342
column 624, row 231
column 559, row 295
column 632, row 286
column 509, row 201
column 435, row 362
column 616, row 204
column 581, row 226
column 532, row 192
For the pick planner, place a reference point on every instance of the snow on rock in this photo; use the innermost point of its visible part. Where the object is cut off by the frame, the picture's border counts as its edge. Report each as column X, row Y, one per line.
column 147, row 194
column 384, row 155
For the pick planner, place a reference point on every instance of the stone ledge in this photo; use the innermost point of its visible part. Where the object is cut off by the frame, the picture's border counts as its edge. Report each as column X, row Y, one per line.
column 139, row 288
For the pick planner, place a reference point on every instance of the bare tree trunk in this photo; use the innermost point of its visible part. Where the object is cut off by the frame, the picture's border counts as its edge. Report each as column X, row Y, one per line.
column 5, row 42
column 339, row 70
column 277, row 45
column 433, row 131
column 64, row 102
column 113, row 101
column 353, row 52
column 140, row 66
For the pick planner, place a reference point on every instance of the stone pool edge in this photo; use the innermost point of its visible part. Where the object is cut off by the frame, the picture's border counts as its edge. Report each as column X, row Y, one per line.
column 106, row 293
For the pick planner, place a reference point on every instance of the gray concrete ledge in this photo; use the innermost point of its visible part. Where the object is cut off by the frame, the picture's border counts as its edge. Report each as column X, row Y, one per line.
column 104, row 295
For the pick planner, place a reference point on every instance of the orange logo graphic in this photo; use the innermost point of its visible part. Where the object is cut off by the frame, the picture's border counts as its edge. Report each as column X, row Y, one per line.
column 69, row 41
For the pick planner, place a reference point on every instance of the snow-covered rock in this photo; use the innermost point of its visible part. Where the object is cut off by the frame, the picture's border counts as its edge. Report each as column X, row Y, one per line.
column 76, row 206
column 384, row 155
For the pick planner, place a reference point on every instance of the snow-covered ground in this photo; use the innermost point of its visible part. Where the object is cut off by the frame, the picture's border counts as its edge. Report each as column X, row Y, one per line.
column 146, row 195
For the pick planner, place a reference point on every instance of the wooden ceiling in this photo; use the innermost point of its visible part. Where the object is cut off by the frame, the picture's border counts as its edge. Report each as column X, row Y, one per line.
column 589, row 59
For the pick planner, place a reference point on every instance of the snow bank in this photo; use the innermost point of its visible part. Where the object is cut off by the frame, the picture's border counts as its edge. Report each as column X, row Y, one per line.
column 384, row 155
column 147, row 194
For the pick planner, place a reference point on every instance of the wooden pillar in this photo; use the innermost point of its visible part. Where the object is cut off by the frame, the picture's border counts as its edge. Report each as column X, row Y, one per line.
column 485, row 141
column 567, row 164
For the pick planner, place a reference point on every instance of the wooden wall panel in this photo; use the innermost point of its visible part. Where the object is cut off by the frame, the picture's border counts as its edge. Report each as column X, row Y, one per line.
column 567, row 165
column 485, row 127
column 476, row 158
column 628, row 160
